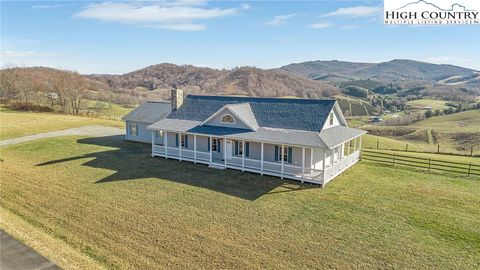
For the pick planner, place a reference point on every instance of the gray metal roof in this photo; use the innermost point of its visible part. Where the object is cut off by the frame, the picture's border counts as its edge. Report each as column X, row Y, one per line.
column 334, row 136
column 149, row 112
column 271, row 135
column 279, row 121
column 281, row 113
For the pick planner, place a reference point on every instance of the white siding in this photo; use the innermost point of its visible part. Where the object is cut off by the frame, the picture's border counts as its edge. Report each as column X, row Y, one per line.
column 217, row 120
column 336, row 121
column 144, row 135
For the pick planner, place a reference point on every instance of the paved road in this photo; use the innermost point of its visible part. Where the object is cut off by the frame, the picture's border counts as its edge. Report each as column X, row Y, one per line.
column 14, row 255
column 99, row 131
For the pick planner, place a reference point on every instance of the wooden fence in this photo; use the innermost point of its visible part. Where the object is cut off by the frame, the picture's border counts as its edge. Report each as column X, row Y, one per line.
column 432, row 149
column 429, row 164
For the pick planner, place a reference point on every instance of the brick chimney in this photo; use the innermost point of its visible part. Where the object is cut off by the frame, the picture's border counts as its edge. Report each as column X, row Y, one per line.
column 177, row 98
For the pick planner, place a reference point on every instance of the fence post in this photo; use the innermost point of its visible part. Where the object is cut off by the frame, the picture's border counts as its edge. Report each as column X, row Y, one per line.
column 429, row 163
column 438, row 149
column 469, row 168
column 406, row 147
column 393, row 159
column 377, row 145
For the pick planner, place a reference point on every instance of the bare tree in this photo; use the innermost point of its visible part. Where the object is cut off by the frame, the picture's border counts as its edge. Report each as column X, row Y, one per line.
column 24, row 87
column 7, row 85
column 75, row 90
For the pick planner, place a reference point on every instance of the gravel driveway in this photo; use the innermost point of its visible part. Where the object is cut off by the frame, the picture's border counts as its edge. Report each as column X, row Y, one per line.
column 94, row 131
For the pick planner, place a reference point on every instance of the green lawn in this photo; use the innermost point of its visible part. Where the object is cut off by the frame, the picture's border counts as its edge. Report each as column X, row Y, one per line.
column 114, row 204
column 18, row 123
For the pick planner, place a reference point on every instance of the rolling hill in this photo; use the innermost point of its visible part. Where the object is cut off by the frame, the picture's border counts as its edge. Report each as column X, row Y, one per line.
column 396, row 71
column 238, row 81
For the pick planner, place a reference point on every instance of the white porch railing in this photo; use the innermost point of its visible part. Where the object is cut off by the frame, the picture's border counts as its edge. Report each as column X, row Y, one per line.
column 339, row 166
column 269, row 168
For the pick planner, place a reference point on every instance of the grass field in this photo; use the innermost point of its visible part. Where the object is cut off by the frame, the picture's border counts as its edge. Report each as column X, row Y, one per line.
column 468, row 121
column 355, row 106
column 104, row 109
column 455, row 133
column 17, row 123
column 107, row 203
column 421, row 104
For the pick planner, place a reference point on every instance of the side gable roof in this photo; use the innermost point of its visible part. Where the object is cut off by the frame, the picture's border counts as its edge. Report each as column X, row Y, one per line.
column 149, row 112
column 242, row 111
column 295, row 114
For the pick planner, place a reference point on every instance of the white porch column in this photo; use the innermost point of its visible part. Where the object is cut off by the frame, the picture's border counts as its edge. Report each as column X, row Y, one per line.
column 166, row 144
column 354, row 144
column 194, row 148
column 311, row 159
column 243, row 155
column 281, row 158
column 303, row 163
column 261, row 158
column 211, row 142
column 360, row 147
column 225, row 151
column 348, row 148
column 153, row 142
column 323, row 163
column 341, row 155
column 180, row 146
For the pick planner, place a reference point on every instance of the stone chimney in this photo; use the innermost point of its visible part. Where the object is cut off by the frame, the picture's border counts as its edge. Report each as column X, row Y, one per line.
column 177, row 98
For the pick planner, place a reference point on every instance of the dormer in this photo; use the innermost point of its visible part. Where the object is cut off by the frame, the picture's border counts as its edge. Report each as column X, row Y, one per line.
column 233, row 116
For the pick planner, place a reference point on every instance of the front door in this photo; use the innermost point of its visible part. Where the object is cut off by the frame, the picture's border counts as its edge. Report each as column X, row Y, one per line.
column 229, row 149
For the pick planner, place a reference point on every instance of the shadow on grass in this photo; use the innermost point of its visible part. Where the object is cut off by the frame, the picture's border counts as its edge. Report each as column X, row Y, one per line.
column 132, row 161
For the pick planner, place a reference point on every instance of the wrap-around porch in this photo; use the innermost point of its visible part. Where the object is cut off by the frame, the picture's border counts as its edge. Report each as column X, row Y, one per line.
column 302, row 163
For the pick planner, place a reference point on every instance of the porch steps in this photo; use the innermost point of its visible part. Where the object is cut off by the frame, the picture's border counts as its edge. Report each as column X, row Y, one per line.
column 217, row 166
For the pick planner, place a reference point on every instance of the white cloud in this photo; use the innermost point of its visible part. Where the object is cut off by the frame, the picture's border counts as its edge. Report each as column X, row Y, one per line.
column 280, row 19
column 179, row 15
column 46, row 6
column 320, row 25
column 358, row 11
column 24, row 54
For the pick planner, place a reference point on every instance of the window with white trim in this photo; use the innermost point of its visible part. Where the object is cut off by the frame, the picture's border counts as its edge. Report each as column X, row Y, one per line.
column 214, row 144
column 331, row 119
column 227, row 118
column 134, row 129
column 183, row 141
column 159, row 134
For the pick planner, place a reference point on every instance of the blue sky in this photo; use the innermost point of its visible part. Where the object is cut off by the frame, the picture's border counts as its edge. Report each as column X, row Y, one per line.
column 119, row 37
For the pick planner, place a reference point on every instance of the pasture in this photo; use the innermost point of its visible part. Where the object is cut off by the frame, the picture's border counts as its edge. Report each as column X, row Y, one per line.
column 455, row 133
column 105, row 203
column 18, row 123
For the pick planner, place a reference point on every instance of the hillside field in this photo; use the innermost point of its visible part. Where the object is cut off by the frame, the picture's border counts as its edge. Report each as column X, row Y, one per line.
column 421, row 104
column 105, row 203
column 18, row 123
column 455, row 133
column 355, row 106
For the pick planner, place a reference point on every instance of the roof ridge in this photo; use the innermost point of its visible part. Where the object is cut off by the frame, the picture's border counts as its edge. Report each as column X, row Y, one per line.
column 265, row 98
